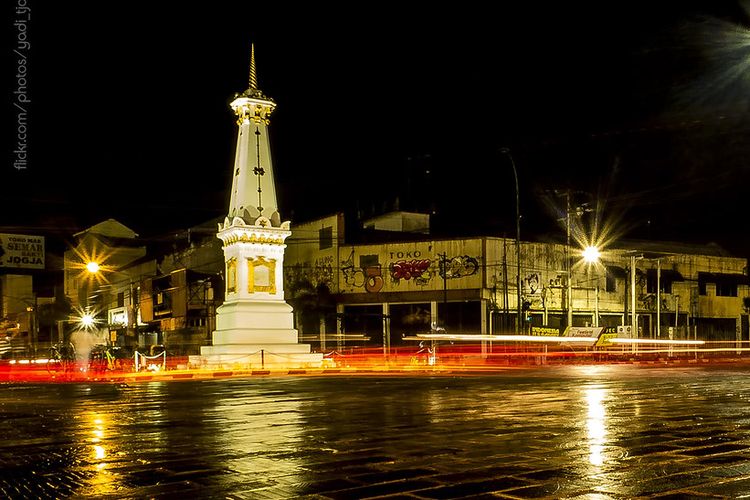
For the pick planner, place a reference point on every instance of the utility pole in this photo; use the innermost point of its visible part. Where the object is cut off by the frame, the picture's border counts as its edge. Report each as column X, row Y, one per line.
column 506, row 300
column 569, row 301
column 36, row 324
column 596, row 307
column 633, row 317
column 658, row 298
column 444, row 266
column 518, row 241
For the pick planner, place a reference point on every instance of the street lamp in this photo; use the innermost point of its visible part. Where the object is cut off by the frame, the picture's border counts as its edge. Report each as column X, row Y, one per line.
column 102, row 274
column 87, row 320
column 506, row 151
column 591, row 254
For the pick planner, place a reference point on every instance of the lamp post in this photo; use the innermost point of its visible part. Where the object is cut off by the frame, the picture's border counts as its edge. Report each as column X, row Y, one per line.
column 579, row 211
column 506, row 151
column 591, row 255
column 569, row 295
column 34, row 309
column 634, row 256
column 658, row 298
column 94, row 269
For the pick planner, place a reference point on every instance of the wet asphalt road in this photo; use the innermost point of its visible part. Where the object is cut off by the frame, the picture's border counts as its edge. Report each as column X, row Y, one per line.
column 557, row 432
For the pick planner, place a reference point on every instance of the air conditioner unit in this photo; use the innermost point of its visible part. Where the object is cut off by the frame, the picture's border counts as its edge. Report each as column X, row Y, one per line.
column 625, row 331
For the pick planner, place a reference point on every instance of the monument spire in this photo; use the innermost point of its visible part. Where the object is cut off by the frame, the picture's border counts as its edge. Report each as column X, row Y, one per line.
column 253, row 81
column 253, row 166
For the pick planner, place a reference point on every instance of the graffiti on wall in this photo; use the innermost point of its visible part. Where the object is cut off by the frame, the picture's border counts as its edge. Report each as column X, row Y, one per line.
column 322, row 271
column 459, row 267
column 353, row 276
column 415, row 269
column 406, row 267
column 532, row 284
column 312, row 274
column 648, row 302
column 367, row 275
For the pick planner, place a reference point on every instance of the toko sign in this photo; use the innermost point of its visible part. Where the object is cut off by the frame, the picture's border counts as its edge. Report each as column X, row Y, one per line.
column 21, row 251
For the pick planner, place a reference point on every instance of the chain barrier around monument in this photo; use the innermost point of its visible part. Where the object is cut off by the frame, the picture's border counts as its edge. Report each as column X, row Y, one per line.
column 142, row 361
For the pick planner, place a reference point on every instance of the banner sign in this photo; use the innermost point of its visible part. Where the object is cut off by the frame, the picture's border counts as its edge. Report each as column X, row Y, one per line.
column 583, row 331
column 545, row 331
column 21, row 251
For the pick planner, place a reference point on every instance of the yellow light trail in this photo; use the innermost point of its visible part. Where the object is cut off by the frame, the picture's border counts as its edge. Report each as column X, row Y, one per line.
column 501, row 338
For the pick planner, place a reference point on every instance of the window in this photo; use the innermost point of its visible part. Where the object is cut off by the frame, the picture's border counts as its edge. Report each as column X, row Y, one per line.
column 611, row 283
column 703, row 279
column 726, row 289
column 120, row 299
column 366, row 261
column 726, row 284
column 196, row 322
column 665, row 280
column 325, row 237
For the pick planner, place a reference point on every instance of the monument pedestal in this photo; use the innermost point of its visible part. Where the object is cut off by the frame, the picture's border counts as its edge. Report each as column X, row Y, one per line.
column 257, row 335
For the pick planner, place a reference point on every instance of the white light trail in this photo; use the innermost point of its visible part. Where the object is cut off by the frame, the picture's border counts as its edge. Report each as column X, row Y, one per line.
column 656, row 341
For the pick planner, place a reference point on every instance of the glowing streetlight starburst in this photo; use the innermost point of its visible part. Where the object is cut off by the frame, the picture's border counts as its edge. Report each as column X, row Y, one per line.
column 590, row 226
column 91, row 265
column 591, row 254
column 85, row 319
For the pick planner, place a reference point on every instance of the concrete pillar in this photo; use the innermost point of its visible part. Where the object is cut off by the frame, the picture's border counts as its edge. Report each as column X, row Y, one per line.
column 483, row 316
column 322, row 331
column 738, row 333
column 483, row 323
column 339, row 326
column 386, row 328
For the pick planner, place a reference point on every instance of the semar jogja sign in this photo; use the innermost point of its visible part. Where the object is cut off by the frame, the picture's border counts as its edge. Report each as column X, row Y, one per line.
column 21, row 251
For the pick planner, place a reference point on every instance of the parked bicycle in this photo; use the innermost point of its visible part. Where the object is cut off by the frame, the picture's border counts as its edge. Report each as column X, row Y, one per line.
column 103, row 358
column 61, row 358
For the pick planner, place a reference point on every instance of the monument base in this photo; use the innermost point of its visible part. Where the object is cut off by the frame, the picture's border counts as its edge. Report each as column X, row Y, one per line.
column 257, row 335
column 262, row 359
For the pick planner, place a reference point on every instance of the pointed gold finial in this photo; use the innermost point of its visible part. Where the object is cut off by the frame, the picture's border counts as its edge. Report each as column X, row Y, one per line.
column 260, row 106
column 253, row 77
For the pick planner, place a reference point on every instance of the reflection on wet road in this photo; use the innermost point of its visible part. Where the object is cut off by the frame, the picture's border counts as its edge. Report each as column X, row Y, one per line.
column 558, row 432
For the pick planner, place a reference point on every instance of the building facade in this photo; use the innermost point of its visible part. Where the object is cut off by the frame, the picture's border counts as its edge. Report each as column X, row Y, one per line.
column 469, row 285
column 381, row 291
column 145, row 294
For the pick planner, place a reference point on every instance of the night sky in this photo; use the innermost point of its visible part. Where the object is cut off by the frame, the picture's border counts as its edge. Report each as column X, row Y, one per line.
column 640, row 108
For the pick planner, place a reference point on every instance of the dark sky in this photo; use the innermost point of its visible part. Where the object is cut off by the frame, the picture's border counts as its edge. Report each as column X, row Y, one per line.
column 639, row 107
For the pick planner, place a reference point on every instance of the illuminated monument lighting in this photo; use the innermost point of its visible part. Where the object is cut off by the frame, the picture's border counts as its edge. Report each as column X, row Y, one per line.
column 254, row 325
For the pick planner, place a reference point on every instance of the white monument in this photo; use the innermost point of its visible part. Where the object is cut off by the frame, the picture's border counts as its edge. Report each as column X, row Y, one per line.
column 254, row 325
